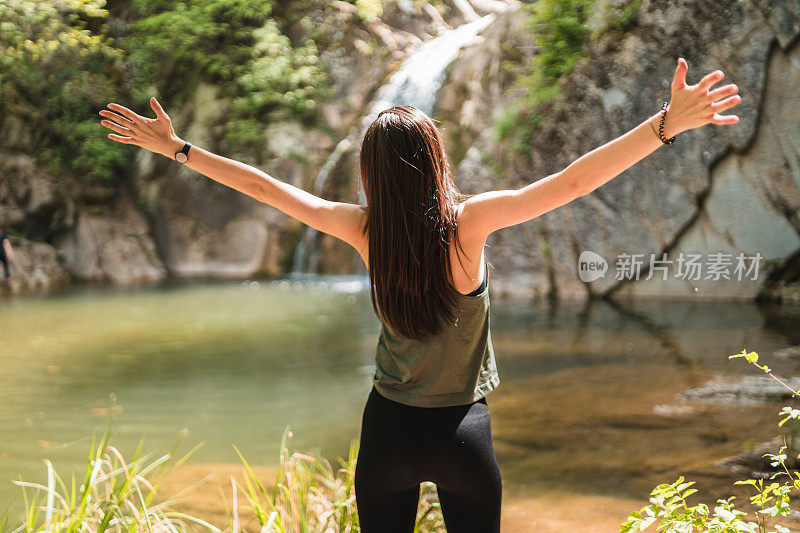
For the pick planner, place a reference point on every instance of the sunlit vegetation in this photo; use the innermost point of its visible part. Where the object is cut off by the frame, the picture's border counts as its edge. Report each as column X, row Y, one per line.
column 668, row 509
column 64, row 61
column 115, row 494
column 561, row 30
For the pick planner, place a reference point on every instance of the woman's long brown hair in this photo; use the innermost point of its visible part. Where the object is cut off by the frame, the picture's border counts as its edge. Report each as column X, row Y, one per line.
column 411, row 220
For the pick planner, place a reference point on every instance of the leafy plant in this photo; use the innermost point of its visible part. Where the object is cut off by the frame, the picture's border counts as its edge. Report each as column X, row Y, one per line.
column 669, row 511
column 235, row 44
column 368, row 9
column 622, row 18
column 309, row 494
column 560, row 29
column 64, row 61
column 58, row 67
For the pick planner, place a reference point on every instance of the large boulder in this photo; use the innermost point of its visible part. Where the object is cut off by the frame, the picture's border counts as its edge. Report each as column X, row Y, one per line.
column 753, row 203
column 64, row 242
column 36, row 267
column 717, row 189
column 115, row 248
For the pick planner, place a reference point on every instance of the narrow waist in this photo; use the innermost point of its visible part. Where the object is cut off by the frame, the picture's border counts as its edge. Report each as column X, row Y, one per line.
column 418, row 411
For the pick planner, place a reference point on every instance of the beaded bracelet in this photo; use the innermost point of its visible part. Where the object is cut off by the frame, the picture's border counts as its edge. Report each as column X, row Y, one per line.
column 661, row 126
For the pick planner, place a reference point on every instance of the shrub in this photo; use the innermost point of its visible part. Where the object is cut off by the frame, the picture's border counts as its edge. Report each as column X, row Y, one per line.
column 560, row 29
column 237, row 45
column 62, row 62
column 668, row 509
column 57, row 69
column 311, row 495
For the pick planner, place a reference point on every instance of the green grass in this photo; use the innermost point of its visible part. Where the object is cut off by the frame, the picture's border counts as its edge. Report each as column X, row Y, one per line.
column 112, row 494
column 115, row 494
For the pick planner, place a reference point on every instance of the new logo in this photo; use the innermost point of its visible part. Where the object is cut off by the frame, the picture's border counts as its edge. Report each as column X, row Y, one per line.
column 591, row 266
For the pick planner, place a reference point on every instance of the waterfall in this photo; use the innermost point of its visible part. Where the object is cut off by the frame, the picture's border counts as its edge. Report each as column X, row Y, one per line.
column 416, row 83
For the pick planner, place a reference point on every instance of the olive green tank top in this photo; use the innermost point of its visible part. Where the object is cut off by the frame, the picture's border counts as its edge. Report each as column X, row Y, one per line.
column 454, row 367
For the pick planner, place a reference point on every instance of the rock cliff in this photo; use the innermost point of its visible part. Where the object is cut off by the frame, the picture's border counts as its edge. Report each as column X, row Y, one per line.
column 716, row 190
column 727, row 190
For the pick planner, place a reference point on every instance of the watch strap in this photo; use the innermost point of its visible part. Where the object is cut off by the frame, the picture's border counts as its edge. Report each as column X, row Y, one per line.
column 184, row 150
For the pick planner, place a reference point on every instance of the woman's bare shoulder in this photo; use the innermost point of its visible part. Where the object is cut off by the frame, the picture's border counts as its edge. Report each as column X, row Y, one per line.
column 470, row 235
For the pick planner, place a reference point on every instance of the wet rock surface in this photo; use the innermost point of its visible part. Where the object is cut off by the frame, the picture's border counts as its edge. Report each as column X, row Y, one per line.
column 746, row 389
column 752, row 463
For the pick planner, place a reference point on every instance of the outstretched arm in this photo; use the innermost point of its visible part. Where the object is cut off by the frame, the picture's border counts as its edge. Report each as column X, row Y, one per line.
column 691, row 106
column 339, row 219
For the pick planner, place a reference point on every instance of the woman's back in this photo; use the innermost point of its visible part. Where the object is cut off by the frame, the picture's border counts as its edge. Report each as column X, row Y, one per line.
column 466, row 264
column 456, row 366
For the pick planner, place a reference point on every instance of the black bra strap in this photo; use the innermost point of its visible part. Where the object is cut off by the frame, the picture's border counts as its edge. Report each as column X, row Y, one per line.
column 483, row 284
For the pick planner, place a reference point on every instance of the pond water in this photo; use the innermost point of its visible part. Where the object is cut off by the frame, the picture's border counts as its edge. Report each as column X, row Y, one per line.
column 588, row 401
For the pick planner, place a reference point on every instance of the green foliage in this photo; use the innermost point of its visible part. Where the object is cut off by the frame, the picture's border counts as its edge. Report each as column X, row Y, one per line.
column 62, row 62
column 520, row 121
column 560, row 29
column 55, row 74
column 669, row 511
column 368, row 10
column 308, row 494
column 113, row 494
column 496, row 166
column 236, row 45
column 623, row 18
column 750, row 357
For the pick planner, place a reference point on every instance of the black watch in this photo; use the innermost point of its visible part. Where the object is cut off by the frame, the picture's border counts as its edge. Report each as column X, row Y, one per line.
column 183, row 156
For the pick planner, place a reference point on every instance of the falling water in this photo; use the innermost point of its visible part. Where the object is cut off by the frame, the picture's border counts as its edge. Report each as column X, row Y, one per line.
column 416, row 83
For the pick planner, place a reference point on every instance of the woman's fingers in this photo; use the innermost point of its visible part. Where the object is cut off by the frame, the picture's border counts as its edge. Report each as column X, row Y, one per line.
column 724, row 119
column 130, row 115
column 126, row 140
column 160, row 113
column 695, row 105
column 128, row 128
column 710, row 79
column 679, row 80
column 155, row 135
column 719, row 92
column 115, row 116
column 116, row 127
column 727, row 103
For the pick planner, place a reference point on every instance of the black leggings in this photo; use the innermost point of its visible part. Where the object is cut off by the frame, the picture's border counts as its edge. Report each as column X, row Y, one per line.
column 402, row 446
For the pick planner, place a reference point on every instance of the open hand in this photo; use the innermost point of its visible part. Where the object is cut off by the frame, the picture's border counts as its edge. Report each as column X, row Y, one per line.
column 156, row 135
column 692, row 106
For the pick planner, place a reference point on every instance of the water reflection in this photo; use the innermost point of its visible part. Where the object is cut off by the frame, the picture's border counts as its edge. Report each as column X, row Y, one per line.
column 587, row 402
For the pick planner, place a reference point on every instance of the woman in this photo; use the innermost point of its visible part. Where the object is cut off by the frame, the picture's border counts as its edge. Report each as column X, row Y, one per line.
column 6, row 256
column 426, row 417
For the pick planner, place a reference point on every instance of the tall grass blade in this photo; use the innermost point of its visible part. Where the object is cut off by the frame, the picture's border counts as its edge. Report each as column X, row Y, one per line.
column 50, row 492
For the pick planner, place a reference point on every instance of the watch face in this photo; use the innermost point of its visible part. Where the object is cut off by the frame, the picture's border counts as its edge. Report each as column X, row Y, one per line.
column 180, row 157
